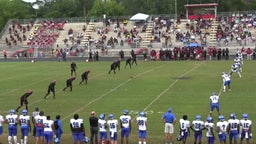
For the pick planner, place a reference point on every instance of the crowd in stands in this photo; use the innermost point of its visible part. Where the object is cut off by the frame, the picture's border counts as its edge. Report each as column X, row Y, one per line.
column 17, row 33
column 46, row 34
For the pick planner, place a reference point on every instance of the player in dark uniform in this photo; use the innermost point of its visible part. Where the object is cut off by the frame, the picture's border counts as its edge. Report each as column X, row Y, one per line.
column 113, row 67
column 84, row 76
column 128, row 62
column 134, row 59
column 73, row 68
column 51, row 88
column 69, row 83
column 24, row 100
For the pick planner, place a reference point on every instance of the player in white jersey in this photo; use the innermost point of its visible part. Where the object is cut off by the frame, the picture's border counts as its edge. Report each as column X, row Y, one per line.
column 25, row 127
column 48, row 130
column 102, row 127
column 77, row 129
column 142, row 128
column 233, row 128
column 222, row 126
column 226, row 81
column 125, row 123
column 1, row 124
column 235, row 69
column 209, row 125
column 184, row 128
column 246, row 126
column 197, row 126
column 12, row 120
column 112, row 125
column 39, row 124
column 214, row 103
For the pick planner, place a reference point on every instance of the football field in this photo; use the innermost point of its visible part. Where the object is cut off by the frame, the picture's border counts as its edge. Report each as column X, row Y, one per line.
column 151, row 86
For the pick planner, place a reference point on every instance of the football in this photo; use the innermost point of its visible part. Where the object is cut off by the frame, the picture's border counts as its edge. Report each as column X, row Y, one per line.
column 32, row 61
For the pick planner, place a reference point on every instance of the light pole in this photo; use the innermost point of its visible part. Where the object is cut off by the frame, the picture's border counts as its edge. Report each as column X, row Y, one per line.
column 176, row 16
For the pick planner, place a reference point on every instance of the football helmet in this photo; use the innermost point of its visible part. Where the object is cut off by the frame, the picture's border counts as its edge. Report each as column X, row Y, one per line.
column 12, row 111
column 221, row 117
column 86, row 139
column 24, row 111
column 179, row 137
column 111, row 116
column 102, row 116
column 245, row 115
column 232, row 115
column 209, row 119
column 125, row 112
column 142, row 114
column 198, row 117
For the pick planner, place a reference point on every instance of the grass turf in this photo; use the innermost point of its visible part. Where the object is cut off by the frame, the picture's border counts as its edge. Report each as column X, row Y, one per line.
column 151, row 86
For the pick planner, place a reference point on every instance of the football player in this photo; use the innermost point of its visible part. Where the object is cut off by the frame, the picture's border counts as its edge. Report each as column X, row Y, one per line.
column 112, row 125
column 214, row 103
column 222, row 129
column 184, row 128
column 142, row 128
column 235, row 69
column 12, row 120
column 125, row 123
column 233, row 128
column 102, row 127
column 246, row 126
column 77, row 129
column 209, row 125
column 226, row 81
column 197, row 126
column 25, row 127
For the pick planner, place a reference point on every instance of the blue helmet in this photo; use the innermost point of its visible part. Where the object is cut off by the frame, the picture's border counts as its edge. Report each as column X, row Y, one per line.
column 245, row 115
column 170, row 110
column 125, row 112
column 221, row 117
column 214, row 93
column 232, row 115
column 198, row 117
column 142, row 113
column 86, row 139
column 102, row 116
column 111, row 116
column 209, row 119
column 56, row 140
column 12, row 111
column 24, row 111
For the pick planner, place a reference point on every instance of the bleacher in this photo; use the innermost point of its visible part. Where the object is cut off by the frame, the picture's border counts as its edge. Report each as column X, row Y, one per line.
column 96, row 36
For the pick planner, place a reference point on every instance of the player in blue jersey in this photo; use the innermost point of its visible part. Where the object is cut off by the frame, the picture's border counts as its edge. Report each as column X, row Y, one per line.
column 77, row 129
column 226, row 81
column 58, row 128
column 169, row 121
column 233, row 128
column 125, row 123
column 222, row 126
column 214, row 103
column 12, row 120
column 197, row 126
column 246, row 131
column 142, row 127
column 25, row 127
column 184, row 128
column 235, row 69
column 209, row 125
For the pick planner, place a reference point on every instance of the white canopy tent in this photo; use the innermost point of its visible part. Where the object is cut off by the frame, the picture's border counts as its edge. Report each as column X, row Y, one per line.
column 139, row 17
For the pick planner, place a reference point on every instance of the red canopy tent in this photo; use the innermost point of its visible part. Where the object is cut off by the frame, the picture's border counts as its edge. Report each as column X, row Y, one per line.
column 202, row 11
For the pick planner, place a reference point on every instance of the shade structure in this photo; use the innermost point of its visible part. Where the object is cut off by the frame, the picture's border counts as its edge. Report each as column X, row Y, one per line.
column 139, row 17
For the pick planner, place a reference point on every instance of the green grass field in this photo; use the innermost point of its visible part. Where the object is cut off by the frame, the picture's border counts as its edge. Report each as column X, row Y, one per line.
column 153, row 87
